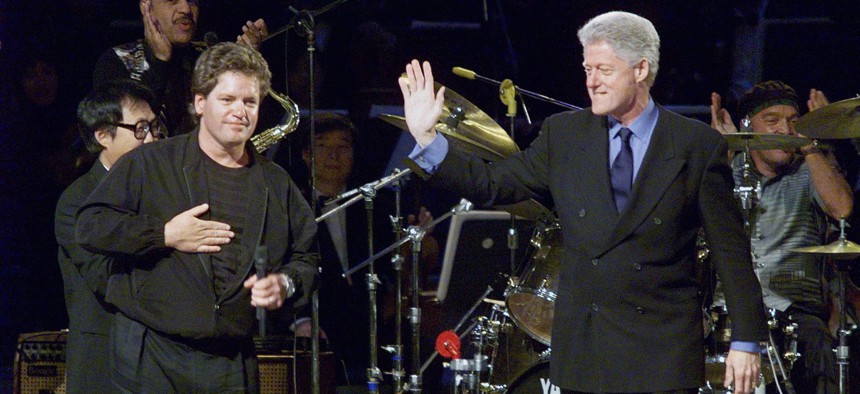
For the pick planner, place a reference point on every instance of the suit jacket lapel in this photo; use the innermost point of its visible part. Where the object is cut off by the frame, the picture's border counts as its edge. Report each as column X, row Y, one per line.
column 659, row 168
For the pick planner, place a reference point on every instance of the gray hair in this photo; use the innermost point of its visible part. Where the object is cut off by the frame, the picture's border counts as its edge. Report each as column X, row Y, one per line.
column 631, row 36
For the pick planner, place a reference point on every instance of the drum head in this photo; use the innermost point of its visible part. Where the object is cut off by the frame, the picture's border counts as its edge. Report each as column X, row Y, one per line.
column 531, row 302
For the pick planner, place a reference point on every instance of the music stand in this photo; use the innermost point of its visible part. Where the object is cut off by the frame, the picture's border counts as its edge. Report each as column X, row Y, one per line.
column 477, row 249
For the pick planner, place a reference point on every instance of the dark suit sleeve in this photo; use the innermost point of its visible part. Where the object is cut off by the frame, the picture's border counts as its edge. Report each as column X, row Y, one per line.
column 516, row 178
column 92, row 267
column 108, row 221
column 730, row 248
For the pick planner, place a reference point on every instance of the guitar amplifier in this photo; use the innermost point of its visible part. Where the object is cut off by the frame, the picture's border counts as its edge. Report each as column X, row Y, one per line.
column 40, row 363
column 285, row 367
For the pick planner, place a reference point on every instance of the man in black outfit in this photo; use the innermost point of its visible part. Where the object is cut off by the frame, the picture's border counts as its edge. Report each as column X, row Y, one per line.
column 164, row 59
column 113, row 120
column 184, row 221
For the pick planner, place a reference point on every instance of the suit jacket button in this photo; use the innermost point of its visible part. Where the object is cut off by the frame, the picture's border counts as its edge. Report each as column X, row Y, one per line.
column 637, row 266
column 595, row 261
column 640, row 310
column 594, row 306
column 582, row 213
column 658, row 221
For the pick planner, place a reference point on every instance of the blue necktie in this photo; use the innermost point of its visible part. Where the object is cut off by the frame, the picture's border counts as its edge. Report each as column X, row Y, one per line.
column 621, row 172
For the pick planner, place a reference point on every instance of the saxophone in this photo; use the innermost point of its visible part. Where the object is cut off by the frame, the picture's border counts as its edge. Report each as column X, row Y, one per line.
column 271, row 136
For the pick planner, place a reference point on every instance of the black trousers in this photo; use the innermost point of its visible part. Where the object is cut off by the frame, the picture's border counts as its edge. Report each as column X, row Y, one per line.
column 145, row 361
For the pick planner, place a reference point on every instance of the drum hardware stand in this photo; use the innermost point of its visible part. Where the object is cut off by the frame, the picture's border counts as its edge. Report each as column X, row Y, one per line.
column 396, row 350
column 500, row 280
column 415, row 235
column 367, row 193
column 374, row 375
column 773, row 354
column 842, row 351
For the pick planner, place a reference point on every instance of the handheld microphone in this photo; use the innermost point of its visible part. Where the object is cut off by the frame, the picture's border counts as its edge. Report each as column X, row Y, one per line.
column 261, row 260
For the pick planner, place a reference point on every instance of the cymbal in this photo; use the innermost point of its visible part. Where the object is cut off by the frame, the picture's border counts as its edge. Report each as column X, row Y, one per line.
column 465, row 125
column 836, row 120
column 476, row 133
column 840, row 249
column 762, row 141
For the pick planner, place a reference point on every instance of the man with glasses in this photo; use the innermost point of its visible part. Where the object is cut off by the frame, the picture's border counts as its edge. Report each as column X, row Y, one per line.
column 164, row 59
column 189, row 221
column 113, row 120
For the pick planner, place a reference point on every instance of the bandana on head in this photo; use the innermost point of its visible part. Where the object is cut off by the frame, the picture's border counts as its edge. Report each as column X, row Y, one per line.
column 767, row 94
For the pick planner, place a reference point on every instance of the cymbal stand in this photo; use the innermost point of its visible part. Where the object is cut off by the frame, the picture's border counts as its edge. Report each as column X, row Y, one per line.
column 367, row 193
column 748, row 192
column 396, row 351
column 374, row 375
column 842, row 351
column 415, row 235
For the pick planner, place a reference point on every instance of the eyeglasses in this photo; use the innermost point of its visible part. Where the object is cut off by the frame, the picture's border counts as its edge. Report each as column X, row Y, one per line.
column 142, row 128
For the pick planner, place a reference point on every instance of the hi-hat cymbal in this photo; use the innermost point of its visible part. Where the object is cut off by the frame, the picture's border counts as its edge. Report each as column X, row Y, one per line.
column 840, row 249
column 836, row 120
column 762, row 141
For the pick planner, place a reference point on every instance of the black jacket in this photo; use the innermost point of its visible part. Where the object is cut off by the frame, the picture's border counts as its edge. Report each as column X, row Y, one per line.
column 171, row 291
column 84, row 281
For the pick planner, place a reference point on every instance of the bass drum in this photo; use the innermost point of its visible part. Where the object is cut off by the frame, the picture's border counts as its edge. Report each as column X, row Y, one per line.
column 534, row 380
column 531, row 301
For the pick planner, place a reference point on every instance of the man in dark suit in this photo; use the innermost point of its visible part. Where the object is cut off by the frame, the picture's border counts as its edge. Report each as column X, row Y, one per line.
column 114, row 119
column 632, row 184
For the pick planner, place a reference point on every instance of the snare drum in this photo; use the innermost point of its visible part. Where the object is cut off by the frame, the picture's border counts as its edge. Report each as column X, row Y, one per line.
column 531, row 301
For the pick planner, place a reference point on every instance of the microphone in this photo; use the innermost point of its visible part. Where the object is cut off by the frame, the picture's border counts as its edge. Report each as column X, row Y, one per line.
column 210, row 38
column 462, row 72
column 261, row 260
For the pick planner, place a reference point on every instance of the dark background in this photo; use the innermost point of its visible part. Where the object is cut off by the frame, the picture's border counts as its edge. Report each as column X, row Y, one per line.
column 362, row 47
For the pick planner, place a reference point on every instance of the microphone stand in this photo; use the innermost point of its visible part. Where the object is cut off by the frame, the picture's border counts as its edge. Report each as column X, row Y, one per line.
column 507, row 93
column 415, row 235
column 305, row 20
column 469, row 74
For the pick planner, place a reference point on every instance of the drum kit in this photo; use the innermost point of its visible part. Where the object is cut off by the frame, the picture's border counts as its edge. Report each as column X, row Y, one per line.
column 840, row 120
column 510, row 345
